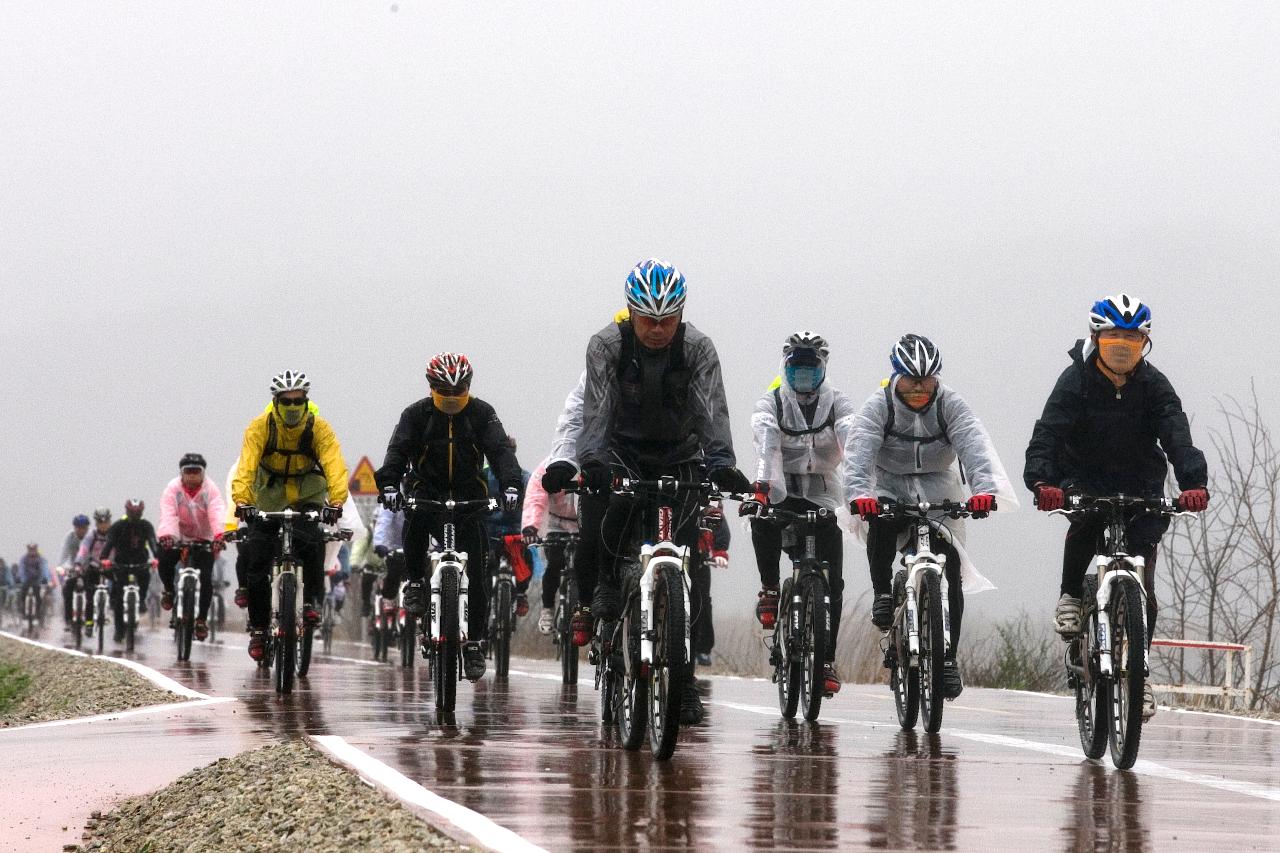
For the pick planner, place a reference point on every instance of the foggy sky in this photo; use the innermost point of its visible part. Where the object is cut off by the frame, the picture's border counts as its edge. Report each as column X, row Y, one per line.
column 196, row 196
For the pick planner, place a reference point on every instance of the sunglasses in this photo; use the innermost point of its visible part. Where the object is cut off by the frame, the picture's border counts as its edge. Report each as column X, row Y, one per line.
column 452, row 392
column 193, row 470
column 291, row 401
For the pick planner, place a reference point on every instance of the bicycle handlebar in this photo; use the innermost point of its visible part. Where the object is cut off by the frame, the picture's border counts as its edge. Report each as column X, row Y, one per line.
column 1097, row 504
column 951, row 509
column 821, row 515
column 415, row 503
column 289, row 515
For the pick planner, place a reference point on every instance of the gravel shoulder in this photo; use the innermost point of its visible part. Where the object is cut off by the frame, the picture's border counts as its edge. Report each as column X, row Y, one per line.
column 60, row 686
column 281, row 797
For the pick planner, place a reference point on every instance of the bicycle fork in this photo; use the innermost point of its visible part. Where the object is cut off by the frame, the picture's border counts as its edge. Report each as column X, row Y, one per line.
column 672, row 559
column 1106, row 582
column 458, row 563
column 915, row 579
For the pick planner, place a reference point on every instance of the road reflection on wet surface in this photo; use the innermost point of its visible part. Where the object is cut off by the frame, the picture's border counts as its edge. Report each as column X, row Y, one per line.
column 532, row 755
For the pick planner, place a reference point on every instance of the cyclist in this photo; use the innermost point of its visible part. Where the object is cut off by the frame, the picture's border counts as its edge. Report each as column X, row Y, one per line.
column 31, row 570
column 802, row 428
column 291, row 459
column 438, row 450
column 71, row 547
column 88, row 561
column 191, row 509
column 388, row 538
column 713, row 550
column 548, row 513
column 133, row 540
column 1112, row 425
column 505, row 534
column 906, row 441
column 653, row 405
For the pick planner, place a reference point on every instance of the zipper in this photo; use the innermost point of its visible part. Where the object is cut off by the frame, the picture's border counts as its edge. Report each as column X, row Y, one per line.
column 450, row 454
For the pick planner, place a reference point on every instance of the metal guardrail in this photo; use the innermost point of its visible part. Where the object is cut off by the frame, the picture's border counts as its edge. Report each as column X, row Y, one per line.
column 1226, row 692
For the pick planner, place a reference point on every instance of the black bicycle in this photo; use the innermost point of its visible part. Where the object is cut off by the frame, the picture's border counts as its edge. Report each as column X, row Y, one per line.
column 502, row 611
column 566, row 604
column 1107, row 662
column 803, row 627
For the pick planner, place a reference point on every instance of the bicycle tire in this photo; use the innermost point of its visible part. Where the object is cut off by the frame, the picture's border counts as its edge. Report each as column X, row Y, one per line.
column 409, row 641
column 931, row 652
column 305, row 640
column 77, row 630
column 447, row 645
column 216, row 616
column 1093, row 701
column 186, row 626
column 813, row 630
column 131, row 621
column 502, row 630
column 564, row 627
column 286, row 640
column 1128, row 659
column 631, row 699
column 787, row 670
column 100, row 623
column 669, row 671
column 904, row 679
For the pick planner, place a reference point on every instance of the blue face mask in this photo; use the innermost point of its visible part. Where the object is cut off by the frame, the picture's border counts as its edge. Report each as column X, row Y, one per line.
column 805, row 379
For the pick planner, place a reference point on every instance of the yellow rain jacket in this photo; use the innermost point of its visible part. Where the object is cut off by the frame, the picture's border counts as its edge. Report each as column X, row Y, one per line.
column 283, row 466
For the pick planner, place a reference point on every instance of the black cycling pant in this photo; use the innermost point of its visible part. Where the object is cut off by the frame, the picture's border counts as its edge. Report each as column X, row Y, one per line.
column 260, row 548
column 202, row 560
column 882, row 553
column 470, row 536
column 766, row 539
column 395, row 574
column 702, row 636
column 554, row 554
column 1084, row 540
column 591, row 553
column 120, row 577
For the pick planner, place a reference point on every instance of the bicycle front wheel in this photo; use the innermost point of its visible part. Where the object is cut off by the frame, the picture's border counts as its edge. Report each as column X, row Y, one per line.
column 447, row 645
column 670, row 671
column 632, row 695
column 787, row 667
column 813, row 645
column 100, row 621
column 931, row 651
column 903, row 678
column 1128, row 661
column 131, row 622
column 564, row 631
column 285, row 646
column 186, row 625
column 1093, row 705
column 408, row 641
column 502, row 630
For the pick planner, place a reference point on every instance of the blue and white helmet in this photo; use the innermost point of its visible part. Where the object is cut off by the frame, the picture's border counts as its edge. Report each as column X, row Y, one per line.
column 915, row 355
column 1120, row 312
column 655, row 289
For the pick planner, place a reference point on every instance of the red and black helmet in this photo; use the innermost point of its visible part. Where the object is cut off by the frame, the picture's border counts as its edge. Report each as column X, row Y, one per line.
column 449, row 372
column 133, row 508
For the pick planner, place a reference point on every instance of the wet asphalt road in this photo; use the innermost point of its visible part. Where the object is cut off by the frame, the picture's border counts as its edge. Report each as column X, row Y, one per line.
column 531, row 754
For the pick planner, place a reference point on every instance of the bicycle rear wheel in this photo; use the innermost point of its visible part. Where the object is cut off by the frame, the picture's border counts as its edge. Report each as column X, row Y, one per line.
column 903, row 679
column 669, row 671
column 305, row 640
column 787, row 667
column 632, row 698
column 447, row 646
column 1128, row 661
column 502, row 630
column 285, row 646
column 1093, row 705
column 813, row 644
column 564, row 630
column 931, row 651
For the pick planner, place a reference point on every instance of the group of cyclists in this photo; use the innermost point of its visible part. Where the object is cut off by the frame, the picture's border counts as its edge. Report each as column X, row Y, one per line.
column 651, row 403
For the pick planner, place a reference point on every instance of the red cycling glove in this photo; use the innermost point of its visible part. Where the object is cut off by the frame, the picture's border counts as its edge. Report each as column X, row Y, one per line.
column 982, row 503
column 1049, row 498
column 866, row 507
column 1194, row 500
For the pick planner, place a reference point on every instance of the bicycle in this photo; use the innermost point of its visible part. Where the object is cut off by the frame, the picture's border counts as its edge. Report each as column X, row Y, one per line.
column 653, row 634
column 803, row 626
column 79, row 599
column 101, row 602
column 32, row 607
column 566, row 604
column 502, row 612
column 187, row 600
column 918, row 641
column 382, row 625
column 446, row 628
column 131, row 600
column 406, row 629
column 1107, row 662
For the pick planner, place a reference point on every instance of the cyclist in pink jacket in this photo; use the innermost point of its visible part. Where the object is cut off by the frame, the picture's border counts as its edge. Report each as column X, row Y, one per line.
column 191, row 509
column 542, row 514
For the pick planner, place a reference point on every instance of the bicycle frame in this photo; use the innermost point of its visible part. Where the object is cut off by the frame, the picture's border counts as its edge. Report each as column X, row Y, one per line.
column 131, row 593
column 917, row 564
column 655, row 557
column 187, row 571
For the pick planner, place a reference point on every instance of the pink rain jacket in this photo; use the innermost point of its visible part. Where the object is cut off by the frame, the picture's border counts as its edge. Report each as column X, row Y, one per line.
column 185, row 518
column 548, row 513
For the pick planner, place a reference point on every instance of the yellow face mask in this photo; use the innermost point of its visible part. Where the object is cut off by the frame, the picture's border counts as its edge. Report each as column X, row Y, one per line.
column 450, row 405
column 1118, row 355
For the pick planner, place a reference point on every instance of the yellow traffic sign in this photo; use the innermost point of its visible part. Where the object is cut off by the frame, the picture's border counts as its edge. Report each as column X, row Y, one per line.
column 362, row 481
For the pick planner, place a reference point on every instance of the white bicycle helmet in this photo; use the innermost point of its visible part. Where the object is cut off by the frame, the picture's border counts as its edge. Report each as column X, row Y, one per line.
column 289, row 380
column 915, row 355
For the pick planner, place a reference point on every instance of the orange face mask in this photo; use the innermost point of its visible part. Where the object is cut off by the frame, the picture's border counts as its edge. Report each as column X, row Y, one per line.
column 916, row 399
column 1118, row 355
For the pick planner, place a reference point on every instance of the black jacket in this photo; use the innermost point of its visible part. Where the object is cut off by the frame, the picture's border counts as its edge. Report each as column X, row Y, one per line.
column 1097, row 439
column 443, row 455
column 129, row 540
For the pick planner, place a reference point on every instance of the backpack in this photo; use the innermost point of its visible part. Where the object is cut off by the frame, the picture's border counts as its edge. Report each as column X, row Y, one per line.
column 306, row 447
column 829, row 423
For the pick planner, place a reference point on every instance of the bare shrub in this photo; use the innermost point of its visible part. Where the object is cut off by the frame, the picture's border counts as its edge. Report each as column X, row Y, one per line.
column 1015, row 655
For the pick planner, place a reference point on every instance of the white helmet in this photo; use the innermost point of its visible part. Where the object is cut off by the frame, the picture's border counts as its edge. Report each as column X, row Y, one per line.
column 915, row 355
column 289, row 380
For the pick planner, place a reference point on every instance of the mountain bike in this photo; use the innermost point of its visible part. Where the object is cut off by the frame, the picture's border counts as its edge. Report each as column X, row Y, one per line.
column 803, row 626
column 101, row 604
column 130, row 599
column 566, row 604
column 1107, row 662
column 446, row 627
column 653, row 634
column 502, row 611
column 79, row 600
column 32, row 607
column 186, row 600
column 920, row 637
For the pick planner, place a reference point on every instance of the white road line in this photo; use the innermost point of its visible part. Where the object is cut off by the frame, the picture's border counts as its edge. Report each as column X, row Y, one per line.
column 119, row 715
column 1146, row 768
column 471, row 823
column 540, row 675
column 157, row 678
column 323, row 657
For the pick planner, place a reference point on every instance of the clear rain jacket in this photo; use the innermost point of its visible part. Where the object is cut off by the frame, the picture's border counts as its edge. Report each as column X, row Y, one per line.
column 698, row 410
column 919, row 461
column 556, row 513
column 800, row 457
column 564, row 444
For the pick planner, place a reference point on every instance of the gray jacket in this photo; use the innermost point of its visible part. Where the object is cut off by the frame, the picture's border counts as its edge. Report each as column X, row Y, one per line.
column 704, row 421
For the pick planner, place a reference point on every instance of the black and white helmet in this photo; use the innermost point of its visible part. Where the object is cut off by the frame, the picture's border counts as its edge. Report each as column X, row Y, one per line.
column 102, row 514
column 808, row 341
column 915, row 355
column 289, row 380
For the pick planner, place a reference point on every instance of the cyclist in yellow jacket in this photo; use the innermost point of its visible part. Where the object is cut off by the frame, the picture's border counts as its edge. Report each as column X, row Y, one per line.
column 291, row 459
